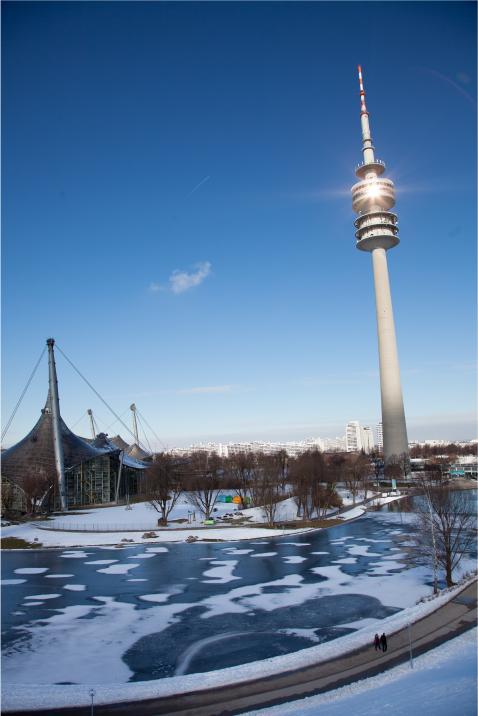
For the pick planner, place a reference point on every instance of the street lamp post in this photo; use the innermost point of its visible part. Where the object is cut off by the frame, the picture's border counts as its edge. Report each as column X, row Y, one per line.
column 92, row 695
column 410, row 644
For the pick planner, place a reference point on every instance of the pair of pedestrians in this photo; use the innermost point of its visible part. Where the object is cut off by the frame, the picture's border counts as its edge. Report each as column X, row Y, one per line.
column 380, row 642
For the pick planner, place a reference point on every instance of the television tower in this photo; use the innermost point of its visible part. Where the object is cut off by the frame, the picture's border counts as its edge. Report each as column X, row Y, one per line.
column 377, row 231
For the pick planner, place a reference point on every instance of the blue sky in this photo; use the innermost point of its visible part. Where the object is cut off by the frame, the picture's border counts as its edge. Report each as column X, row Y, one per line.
column 177, row 214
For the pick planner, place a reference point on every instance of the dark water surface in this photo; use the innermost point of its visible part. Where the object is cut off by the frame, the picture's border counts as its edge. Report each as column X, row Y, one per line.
column 217, row 604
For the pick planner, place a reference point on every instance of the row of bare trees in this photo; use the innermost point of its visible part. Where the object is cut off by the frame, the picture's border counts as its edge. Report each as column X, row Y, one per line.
column 258, row 480
column 451, row 450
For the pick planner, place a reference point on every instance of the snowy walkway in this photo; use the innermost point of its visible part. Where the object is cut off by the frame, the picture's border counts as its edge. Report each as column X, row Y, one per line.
column 449, row 620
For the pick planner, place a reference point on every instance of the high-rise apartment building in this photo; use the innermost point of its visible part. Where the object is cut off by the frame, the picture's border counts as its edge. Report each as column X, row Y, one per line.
column 353, row 436
column 368, row 442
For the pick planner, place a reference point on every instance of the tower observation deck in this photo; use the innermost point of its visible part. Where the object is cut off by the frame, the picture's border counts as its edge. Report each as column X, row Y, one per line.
column 377, row 231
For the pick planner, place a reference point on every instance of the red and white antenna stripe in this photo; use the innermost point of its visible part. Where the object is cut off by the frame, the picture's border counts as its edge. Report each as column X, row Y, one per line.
column 363, row 108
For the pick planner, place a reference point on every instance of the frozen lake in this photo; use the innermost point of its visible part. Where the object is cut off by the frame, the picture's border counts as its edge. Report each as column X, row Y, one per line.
column 148, row 612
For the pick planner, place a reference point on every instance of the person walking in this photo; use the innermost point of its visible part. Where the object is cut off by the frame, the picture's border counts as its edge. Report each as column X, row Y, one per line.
column 383, row 641
column 377, row 642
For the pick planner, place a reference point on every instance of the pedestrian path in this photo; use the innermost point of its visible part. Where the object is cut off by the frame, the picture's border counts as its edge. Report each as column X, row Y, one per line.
column 448, row 621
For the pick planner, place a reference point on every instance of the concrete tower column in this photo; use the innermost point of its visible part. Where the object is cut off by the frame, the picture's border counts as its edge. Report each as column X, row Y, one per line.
column 393, row 415
column 377, row 231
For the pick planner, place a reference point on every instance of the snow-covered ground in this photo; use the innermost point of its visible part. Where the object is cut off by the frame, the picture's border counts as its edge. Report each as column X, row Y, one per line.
column 59, row 633
column 112, row 525
column 441, row 683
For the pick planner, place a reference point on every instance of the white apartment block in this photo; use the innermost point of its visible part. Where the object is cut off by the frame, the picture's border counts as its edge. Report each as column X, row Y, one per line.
column 358, row 438
column 368, row 443
column 334, row 444
column 292, row 448
column 353, row 437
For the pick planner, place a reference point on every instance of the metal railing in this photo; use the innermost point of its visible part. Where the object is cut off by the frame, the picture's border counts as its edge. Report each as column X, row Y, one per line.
column 95, row 527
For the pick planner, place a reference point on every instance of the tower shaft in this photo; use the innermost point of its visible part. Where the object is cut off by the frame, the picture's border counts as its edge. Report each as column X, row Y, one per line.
column 395, row 439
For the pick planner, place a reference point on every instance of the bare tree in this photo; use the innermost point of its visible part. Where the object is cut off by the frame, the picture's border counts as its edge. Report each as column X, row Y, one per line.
column 283, row 460
column 8, row 496
column 266, row 488
column 437, row 469
column 314, row 480
column 163, row 485
column 397, row 467
column 446, row 527
column 240, row 471
column 36, row 484
column 336, row 467
column 204, row 481
column 308, row 477
column 356, row 475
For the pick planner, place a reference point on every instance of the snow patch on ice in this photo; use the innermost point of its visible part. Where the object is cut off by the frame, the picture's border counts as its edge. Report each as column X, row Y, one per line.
column 303, row 633
column 221, row 574
column 58, row 576
column 118, row 569
column 32, row 604
column 360, row 551
column 141, row 556
column 31, row 570
column 75, row 587
column 77, row 554
column 294, row 559
column 162, row 597
column 159, row 598
column 264, row 554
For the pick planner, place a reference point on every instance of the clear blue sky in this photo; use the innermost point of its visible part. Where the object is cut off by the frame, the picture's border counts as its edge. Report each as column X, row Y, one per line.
column 177, row 215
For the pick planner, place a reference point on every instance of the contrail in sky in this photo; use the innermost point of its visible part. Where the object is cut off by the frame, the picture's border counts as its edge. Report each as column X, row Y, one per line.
column 203, row 181
column 452, row 83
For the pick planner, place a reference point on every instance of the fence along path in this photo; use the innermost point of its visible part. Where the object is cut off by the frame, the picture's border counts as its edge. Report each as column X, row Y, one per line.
column 96, row 527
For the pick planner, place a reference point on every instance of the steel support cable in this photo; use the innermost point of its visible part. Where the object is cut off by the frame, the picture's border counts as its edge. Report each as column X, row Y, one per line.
column 96, row 393
column 144, row 433
column 79, row 420
column 9, row 422
column 149, row 426
column 115, row 421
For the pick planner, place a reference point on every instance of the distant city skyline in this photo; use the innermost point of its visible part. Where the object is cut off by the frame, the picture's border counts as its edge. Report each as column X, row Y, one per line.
column 176, row 214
